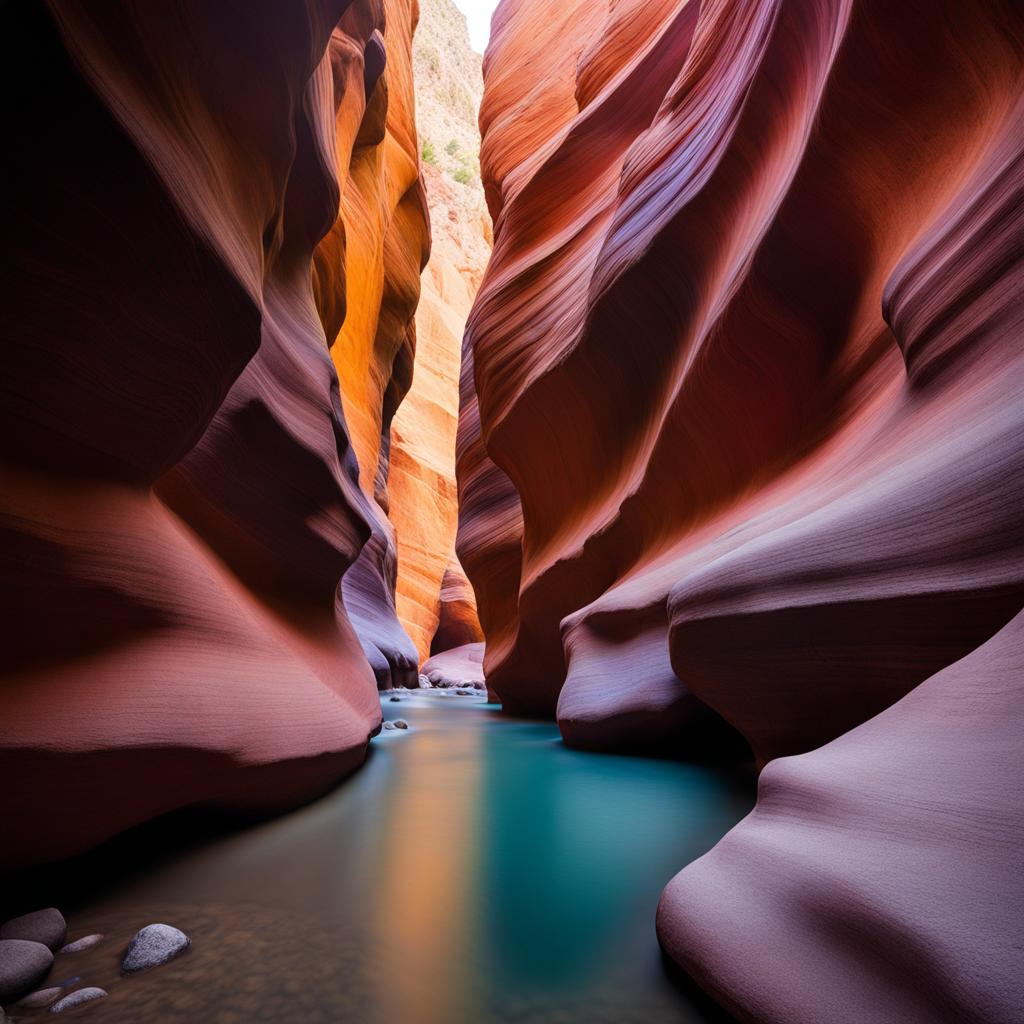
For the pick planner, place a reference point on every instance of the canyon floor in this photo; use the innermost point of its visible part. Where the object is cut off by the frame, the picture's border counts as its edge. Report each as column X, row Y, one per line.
column 475, row 869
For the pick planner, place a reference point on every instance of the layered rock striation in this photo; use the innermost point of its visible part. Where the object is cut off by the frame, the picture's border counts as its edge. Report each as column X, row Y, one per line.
column 181, row 486
column 421, row 486
column 741, row 436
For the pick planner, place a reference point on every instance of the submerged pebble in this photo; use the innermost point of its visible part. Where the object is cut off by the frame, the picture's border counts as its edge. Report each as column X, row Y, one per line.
column 401, row 723
column 389, row 725
column 82, row 996
column 395, row 700
column 152, row 946
column 41, row 997
column 80, row 945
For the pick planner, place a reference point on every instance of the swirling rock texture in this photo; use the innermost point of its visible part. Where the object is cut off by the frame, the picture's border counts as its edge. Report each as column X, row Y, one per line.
column 423, row 494
column 458, row 623
column 381, row 241
column 181, row 498
column 741, row 429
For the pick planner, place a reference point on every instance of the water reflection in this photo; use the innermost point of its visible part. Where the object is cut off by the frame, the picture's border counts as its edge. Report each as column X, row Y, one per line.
column 475, row 870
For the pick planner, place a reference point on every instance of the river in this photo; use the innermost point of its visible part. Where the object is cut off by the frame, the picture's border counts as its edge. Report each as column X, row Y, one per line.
column 474, row 870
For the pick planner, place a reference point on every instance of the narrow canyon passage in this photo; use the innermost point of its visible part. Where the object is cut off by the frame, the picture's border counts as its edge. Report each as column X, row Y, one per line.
column 474, row 870
column 518, row 525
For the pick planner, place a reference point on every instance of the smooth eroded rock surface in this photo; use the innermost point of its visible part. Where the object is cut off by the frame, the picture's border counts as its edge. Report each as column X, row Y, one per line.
column 457, row 667
column 881, row 877
column 41, row 997
column 186, row 485
column 45, row 926
column 82, row 944
column 23, row 965
column 421, row 485
column 741, row 429
column 78, row 998
column 741, row 394
column 152, row 946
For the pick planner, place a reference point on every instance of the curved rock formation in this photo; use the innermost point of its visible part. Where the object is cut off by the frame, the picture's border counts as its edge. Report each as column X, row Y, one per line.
column 424, row 498
column 742, row 429
column 181, row 498
column 705, row 178
column 458, row 623
column 880, row 877
column 380, row 243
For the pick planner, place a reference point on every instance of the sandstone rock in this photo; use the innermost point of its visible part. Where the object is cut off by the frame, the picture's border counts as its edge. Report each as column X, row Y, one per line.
column 458, row 621
column 460, row 667
column 907, row 825
column 23, row 964
column 421, row 485
column 80, row 945
column 837, row 430
column 377, row 248
column 129, row 463
column 798, row 498
column 152, row 946
column 79, row 998
column 45, row 926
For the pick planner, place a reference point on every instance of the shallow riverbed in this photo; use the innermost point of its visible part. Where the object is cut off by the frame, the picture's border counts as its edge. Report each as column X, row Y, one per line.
column 474, row 870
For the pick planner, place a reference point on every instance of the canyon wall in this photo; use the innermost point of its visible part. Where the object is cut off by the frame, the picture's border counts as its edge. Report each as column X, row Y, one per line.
column 182, row 494
column 423, row 494
column 741, row 438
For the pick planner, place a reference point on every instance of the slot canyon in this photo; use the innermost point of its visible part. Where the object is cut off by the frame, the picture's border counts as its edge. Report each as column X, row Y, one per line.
column 520, row 528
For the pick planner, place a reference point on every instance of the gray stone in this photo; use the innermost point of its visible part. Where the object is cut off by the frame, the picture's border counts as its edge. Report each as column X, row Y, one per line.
column 396, row 700
column 80, row 945
column 152, row 946
column 401, row 723
column 23, row 965
column 78, row 998
column 464, row 693
column 389, row 725
column 41, row 997
column 45, row 926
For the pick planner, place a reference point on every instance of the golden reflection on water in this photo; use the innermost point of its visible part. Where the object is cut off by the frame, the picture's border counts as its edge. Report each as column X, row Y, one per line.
column 475, row 870
column 428, row 860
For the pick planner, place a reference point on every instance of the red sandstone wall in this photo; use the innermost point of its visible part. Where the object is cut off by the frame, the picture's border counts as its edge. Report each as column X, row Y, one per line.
column 742, row 413
column 181, row 495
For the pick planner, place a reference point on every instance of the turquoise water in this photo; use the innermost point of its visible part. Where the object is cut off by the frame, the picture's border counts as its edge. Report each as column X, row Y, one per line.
column 474, row 870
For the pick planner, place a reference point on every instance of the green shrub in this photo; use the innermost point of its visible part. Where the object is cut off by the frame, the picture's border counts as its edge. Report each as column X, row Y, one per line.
column 452, row 148
column 463, row 175
column 427, row 152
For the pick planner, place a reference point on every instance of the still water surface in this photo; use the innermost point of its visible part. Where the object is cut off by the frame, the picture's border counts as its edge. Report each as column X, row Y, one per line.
column 474, row 870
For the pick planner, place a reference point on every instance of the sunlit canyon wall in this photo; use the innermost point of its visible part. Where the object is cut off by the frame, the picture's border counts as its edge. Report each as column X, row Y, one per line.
column 434, row 601
column 742, row 429
column 182, row 494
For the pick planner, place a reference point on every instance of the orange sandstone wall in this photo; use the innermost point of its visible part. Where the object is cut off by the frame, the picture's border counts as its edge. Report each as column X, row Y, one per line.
column 741, row 430
column 423, row 494
column 181, row 493
column 380, row 242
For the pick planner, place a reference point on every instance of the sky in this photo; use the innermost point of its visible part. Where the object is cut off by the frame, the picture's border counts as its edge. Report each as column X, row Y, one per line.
column 478, row 14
